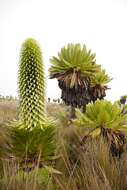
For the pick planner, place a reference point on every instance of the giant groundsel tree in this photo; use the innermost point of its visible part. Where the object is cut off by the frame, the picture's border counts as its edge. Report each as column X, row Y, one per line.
column 104, row 118
column 79, row 77
column 74, row 67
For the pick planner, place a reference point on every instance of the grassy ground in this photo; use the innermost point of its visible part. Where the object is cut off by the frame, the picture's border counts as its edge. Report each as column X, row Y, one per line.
column 78, row 166
column 8, row 110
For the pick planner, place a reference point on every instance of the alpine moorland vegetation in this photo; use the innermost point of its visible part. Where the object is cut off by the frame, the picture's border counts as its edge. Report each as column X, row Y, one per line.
column 41, row 147
column 86, row 165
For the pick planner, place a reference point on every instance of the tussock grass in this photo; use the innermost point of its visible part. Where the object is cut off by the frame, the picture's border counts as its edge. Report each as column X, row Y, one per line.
column 91, row 167
column 81, row 166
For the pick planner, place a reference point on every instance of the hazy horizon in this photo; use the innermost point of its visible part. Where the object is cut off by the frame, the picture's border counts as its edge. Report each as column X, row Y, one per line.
column 99, row 24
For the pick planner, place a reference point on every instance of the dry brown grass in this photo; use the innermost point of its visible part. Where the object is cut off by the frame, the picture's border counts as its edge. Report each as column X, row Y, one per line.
column 91, row 167
column 8, row 110
column 86, row 166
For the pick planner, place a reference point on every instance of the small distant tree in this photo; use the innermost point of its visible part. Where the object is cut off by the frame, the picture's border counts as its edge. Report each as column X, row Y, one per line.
column 49, row 99
column 55, row 100
column 58, row 100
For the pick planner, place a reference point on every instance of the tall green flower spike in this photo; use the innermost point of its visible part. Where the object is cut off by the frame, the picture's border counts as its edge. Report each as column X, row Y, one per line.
column 33, row 134
column 31, row 85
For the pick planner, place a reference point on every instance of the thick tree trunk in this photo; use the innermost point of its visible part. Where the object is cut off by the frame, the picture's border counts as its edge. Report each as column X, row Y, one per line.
column 84, row 109
column 72, row 113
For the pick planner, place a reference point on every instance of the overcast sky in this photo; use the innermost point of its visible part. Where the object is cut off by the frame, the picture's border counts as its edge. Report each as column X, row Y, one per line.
column 100, row 24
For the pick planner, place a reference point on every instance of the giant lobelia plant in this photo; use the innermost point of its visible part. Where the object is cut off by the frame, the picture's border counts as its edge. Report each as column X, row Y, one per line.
column 33, row 134
column 31, row 85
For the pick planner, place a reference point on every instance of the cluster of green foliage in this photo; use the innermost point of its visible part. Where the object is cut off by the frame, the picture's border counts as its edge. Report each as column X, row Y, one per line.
column 74, row 57
column 102, row 114
column 82, row 81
